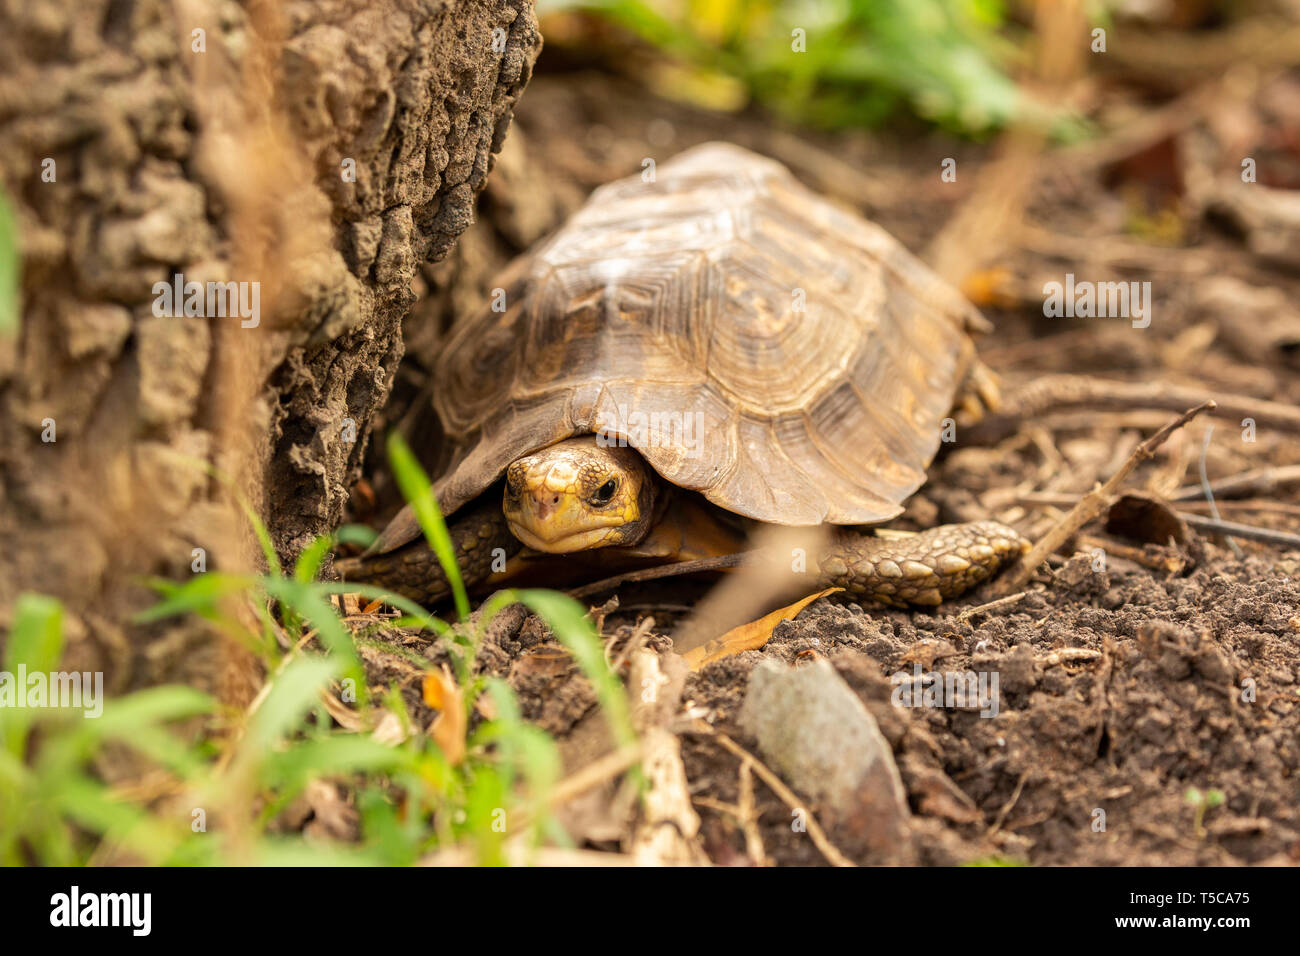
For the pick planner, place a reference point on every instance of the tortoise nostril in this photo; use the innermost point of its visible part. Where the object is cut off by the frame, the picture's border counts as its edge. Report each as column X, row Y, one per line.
column 555, row 500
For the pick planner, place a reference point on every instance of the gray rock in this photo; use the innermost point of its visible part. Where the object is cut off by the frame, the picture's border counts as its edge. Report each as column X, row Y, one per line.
column 813, row 730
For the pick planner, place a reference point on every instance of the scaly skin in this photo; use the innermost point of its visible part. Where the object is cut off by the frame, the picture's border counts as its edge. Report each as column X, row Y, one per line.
column 927, row 568
column 413, row 570
column 922, row 569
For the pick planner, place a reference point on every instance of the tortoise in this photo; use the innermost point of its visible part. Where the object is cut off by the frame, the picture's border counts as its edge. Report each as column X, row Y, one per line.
column 717, row 343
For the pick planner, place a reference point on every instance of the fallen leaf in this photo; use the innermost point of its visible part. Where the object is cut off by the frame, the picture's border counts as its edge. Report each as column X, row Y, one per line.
column 389, row 730
column 486, row 707
column 448, row 728
column 748, row 637
column 332, row 817
column 990, row 287
column 346, row 717
column 1145, row 518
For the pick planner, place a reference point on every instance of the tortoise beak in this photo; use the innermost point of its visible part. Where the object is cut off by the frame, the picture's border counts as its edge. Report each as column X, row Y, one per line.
column 556, row 523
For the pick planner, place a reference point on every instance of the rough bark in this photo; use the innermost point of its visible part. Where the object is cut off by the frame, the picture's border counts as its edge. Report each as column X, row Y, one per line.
column 229, row 162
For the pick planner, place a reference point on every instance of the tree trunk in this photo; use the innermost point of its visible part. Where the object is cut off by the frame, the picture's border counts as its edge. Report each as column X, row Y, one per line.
column 314, row 153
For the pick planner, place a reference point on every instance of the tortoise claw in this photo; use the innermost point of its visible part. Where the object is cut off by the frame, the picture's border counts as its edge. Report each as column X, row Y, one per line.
column 980, row 393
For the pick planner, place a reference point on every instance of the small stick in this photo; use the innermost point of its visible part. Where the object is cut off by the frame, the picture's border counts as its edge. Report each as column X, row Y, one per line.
column 580, row 781
column 720, row 563
column 743, row 813
column 788, row 796
column 749, row 818
column 1266, row 535
column 667, row 831
column 1057, row 392
column 1252, row 504
column 634, row 643
column 1000, row 602
column 1068, row 655
column 1209, row 493
column 1258, row 481
column 1056, row 499
column 593, row 774
column 1006, row 807
column 1089, row 506
column 1166, row 563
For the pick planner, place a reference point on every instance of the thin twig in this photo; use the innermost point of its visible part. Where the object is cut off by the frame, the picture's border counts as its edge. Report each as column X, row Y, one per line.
column 1051, row 393
column 1006, row 807
column 1265, row 535
column 1000, row 602
column 748, row 815
column 1199, row 522
column 1068, row 655
column 1089, row 506
column 787, row 796
column 1209, row 494
column 723, row 562
column 1257, row 481
column 1064, row 499
column 634, row 642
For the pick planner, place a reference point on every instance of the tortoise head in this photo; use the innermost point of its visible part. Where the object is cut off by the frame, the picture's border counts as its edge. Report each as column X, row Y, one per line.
column 578, row 494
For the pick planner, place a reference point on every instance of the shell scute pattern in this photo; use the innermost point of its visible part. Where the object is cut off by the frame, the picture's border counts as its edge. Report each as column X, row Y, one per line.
column 818, row 356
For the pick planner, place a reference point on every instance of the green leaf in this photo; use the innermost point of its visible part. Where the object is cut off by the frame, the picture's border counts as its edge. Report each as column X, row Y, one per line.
column 36, row 640
column 10, row 263
column 312, row 557
column 418, row 492
column 197, row 595
column 290, row 770
column 35, row 643
column 568, row 620
column 125, row 716
column 308, row 601
column 294, row 691
column 92, row 806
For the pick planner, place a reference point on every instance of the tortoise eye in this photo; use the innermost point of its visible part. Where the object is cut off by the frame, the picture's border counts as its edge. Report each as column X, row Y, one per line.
column 605, row 492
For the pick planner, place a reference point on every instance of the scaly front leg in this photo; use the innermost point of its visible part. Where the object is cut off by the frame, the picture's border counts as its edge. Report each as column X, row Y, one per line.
column 926, row 568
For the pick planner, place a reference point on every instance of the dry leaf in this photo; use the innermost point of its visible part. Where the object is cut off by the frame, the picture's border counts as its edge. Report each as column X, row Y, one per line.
column 389, row 730
column 748, row 637
column 991, row 287
column 346, row 717
column 448, row 728
column 486, row 707
column 332, row 817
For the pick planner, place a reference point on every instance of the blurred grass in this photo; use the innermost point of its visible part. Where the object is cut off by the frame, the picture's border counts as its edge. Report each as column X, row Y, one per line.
column 863, row 60
column 9, row 270
column 243, row 769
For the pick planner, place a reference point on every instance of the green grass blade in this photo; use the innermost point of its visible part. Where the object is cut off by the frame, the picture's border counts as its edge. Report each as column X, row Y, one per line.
column 418, row 492
column 35, row 643
column 10, row 261
column 294, row 692
column 568, row 620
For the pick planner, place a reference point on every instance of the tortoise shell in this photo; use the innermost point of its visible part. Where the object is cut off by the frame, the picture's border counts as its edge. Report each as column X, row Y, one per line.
column 785, row 358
